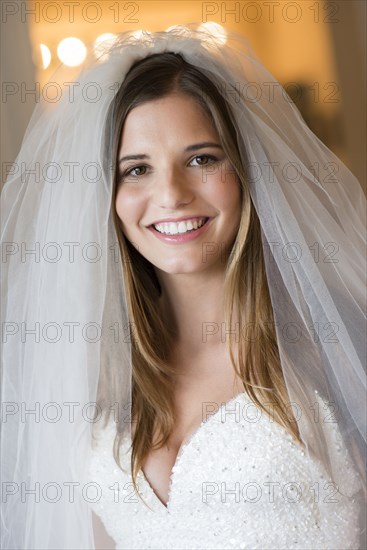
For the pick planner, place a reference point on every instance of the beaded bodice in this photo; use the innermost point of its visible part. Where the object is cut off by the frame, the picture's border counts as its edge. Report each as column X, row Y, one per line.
column 239, row 482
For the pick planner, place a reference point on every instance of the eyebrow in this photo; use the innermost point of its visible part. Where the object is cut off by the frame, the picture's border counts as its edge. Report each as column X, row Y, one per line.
column 189, row 149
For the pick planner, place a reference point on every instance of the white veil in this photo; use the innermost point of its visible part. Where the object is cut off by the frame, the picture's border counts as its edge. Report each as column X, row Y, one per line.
column 64, row 308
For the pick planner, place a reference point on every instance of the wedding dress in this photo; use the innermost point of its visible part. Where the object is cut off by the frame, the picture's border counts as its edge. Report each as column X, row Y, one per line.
column 240, row 481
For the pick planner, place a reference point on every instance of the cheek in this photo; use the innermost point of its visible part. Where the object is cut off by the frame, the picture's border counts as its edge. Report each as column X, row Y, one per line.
column 129, row 206
column 232, row 194
column 226, row 191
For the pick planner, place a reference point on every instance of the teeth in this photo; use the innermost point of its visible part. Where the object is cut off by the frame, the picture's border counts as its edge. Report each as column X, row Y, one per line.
column 173, row 228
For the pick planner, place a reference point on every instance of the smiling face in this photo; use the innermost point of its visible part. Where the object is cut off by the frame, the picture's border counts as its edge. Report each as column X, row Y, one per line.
column 173, row 178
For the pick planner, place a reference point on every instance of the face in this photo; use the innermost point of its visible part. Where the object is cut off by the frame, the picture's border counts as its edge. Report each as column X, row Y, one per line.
column 179, row 199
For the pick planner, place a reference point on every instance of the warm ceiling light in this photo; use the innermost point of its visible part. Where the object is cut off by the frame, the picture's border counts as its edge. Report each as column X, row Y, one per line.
column 45, row 55
column 71, row 51
column 218, row 32
column 102, row 44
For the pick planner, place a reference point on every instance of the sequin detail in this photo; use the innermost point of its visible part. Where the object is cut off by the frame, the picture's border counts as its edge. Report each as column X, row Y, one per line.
column 239, row 482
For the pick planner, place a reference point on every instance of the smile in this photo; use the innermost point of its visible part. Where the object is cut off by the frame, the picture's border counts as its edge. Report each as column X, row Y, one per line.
column 180, row 232
column 178, row 228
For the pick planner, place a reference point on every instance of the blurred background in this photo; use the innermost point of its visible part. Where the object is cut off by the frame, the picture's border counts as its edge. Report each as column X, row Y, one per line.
column 316, row 49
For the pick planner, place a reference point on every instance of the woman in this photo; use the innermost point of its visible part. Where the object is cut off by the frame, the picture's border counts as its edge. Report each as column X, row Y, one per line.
column 241, row 308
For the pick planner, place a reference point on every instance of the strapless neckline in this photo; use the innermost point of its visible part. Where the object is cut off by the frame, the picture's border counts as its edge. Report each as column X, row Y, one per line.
column 186, row 443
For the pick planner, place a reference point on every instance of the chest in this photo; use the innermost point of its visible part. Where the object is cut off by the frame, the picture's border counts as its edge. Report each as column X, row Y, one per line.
column 227, row 491
column 193, row 408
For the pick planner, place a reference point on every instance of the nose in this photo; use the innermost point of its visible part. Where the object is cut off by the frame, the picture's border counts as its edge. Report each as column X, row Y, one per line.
column 172, row 189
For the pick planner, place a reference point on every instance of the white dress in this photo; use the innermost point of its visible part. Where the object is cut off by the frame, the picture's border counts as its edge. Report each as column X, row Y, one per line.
column 239, row 482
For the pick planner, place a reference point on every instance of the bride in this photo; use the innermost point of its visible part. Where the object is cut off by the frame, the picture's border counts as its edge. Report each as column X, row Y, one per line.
column 225, row 376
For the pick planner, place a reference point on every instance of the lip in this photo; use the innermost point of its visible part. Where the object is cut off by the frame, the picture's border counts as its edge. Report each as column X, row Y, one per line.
column 182, row 219
column 181, row 238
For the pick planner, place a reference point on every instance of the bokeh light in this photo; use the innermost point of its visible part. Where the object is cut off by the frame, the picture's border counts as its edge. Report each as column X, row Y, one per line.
column 71, row 51
column 45, row 56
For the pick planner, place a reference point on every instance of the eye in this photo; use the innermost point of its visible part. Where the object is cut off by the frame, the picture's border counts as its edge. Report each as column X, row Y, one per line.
column 202, row 160
column 134, row 172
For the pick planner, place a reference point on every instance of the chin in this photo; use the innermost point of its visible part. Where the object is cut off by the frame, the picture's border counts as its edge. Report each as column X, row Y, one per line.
column 181, row 267
column 186, row 267
column 177, row 270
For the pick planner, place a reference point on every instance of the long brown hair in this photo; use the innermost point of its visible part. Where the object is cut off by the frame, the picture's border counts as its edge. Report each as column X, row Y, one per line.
column 246, row 291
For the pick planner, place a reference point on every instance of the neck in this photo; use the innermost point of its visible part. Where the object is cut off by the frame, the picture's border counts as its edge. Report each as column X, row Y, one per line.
column 193, row 304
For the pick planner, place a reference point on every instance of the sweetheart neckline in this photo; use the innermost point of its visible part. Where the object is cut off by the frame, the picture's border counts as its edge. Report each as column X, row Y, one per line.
column 181, row 450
